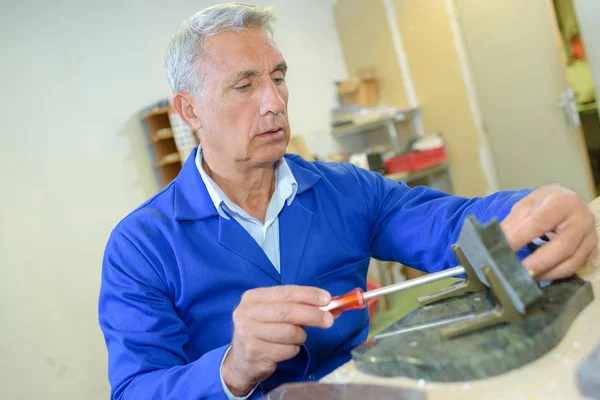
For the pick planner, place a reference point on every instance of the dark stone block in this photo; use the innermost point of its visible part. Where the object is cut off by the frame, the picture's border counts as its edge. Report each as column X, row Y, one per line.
column 426, row 354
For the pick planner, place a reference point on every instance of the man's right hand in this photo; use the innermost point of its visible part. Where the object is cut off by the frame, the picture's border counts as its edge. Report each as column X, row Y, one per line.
column 268, row 329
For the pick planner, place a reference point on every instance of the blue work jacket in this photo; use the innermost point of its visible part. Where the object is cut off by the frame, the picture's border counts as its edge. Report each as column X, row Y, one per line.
column 174, row 271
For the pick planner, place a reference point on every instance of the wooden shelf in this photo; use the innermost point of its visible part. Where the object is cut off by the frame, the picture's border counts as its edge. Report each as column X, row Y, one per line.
column 158, row 111
column 163, row 137
column 372, row 124
column 164, row 132
column 168, row 160
column 419, row 174
column 397, row 176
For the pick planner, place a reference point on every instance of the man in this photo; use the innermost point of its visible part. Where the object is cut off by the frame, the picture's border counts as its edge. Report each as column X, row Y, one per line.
column 213, row 287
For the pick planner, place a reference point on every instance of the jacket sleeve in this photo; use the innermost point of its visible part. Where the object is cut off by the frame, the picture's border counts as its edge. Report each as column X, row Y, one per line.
column 144, row 335
column 417, row 226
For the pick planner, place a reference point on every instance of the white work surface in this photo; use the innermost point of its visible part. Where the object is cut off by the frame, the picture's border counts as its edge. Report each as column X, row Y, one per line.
column 549, row 377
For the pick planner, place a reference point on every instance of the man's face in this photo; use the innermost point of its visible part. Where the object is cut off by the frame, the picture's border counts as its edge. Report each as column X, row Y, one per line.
column 242, row 106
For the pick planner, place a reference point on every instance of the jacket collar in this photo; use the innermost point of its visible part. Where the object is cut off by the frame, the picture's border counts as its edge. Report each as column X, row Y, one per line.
column 191, row 198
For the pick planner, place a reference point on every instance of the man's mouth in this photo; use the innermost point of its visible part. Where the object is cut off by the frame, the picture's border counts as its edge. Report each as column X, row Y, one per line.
column 272, row 132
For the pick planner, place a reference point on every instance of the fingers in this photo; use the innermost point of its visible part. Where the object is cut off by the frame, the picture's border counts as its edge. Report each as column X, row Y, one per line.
column 285, row 312
column 528, row 220
column 269, row 353
column 571, row 264
column 281, row 352
column 518, row 213
column 593, row 255
column 296, row 305
column 274, row 332
column 268, row 329
column 562, row 247
column 289, row 293
column 251, row 361
column 563, row 216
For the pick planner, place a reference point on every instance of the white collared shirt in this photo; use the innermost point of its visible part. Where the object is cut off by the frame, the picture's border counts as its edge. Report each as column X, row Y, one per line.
column 267, row 234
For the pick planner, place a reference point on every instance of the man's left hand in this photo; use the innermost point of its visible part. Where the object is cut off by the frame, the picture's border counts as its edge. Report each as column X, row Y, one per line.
column 562, row 215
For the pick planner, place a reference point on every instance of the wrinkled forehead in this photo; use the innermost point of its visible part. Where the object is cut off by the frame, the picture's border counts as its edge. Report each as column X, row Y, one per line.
column 229, row 52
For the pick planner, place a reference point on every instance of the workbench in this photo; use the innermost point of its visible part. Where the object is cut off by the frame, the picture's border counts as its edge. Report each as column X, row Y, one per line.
column 549, row 377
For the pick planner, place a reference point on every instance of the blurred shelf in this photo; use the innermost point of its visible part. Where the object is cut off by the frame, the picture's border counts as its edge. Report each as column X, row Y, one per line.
column 158, row 137
column 169, row 159
column 167, row 138
column 397, row 176
column 158, row 111
column 372, row 124
column 420, row 174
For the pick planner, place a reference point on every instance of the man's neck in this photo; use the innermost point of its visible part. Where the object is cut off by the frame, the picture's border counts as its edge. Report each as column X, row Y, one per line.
column 251, row 188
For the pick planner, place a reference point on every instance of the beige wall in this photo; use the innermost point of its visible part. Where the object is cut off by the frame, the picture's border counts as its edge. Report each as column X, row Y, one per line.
column 519, row 80
column 73, row 161
column 367, row 41
column 434, row 69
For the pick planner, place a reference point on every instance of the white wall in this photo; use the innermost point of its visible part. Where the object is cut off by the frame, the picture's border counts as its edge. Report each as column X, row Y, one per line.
column 73, row 161
column 588, row 12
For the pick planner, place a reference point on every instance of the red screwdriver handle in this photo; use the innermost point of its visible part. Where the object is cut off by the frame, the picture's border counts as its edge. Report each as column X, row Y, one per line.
column 352, row 300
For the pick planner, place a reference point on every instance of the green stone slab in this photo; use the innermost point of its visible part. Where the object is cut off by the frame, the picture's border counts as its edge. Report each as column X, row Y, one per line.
column 425, row 354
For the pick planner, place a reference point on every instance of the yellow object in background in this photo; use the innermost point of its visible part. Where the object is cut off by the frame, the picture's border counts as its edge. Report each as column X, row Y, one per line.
column 579, row 75
column 297, row 145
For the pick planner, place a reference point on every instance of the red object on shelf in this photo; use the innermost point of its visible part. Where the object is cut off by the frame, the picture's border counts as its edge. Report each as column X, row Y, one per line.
column 415, row 161
column 372, row 303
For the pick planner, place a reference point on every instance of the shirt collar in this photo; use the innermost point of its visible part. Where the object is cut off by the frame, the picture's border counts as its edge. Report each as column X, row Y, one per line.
column 285, row 185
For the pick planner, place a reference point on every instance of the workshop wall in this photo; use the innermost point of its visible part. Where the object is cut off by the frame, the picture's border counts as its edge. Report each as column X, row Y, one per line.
column 440, row 87
column 73, row 161
column 430, row 49
column 367, row 41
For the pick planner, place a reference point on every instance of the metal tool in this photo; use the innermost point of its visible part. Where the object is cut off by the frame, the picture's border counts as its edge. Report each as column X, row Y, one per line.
column 452, row 327
column 469, row 285
column 488, row 261
column 428, row 325
column 356, row 298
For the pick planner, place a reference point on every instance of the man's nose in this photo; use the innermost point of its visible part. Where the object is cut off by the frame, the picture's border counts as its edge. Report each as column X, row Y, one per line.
column 271, row 101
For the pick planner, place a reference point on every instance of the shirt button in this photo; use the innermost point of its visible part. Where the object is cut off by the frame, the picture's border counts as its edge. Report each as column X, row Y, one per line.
column 311, row 377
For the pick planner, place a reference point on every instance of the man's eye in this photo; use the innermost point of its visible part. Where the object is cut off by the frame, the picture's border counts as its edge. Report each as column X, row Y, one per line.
column 279, row 80
column 242, row 88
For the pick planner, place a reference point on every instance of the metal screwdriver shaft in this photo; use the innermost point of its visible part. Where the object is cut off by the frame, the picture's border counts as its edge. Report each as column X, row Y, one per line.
column 356, row 298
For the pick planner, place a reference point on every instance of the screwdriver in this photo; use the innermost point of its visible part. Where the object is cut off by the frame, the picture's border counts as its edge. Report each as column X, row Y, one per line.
column 357, row 299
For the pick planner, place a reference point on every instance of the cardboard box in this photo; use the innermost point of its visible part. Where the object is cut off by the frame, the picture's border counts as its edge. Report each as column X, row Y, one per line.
column 366, row 74
column 362, row 92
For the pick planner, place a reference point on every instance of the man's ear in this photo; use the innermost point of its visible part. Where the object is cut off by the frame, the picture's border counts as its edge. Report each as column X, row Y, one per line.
column 184, row 104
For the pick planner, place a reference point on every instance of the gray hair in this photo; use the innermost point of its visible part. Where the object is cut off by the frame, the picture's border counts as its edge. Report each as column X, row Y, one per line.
column 187, row 45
